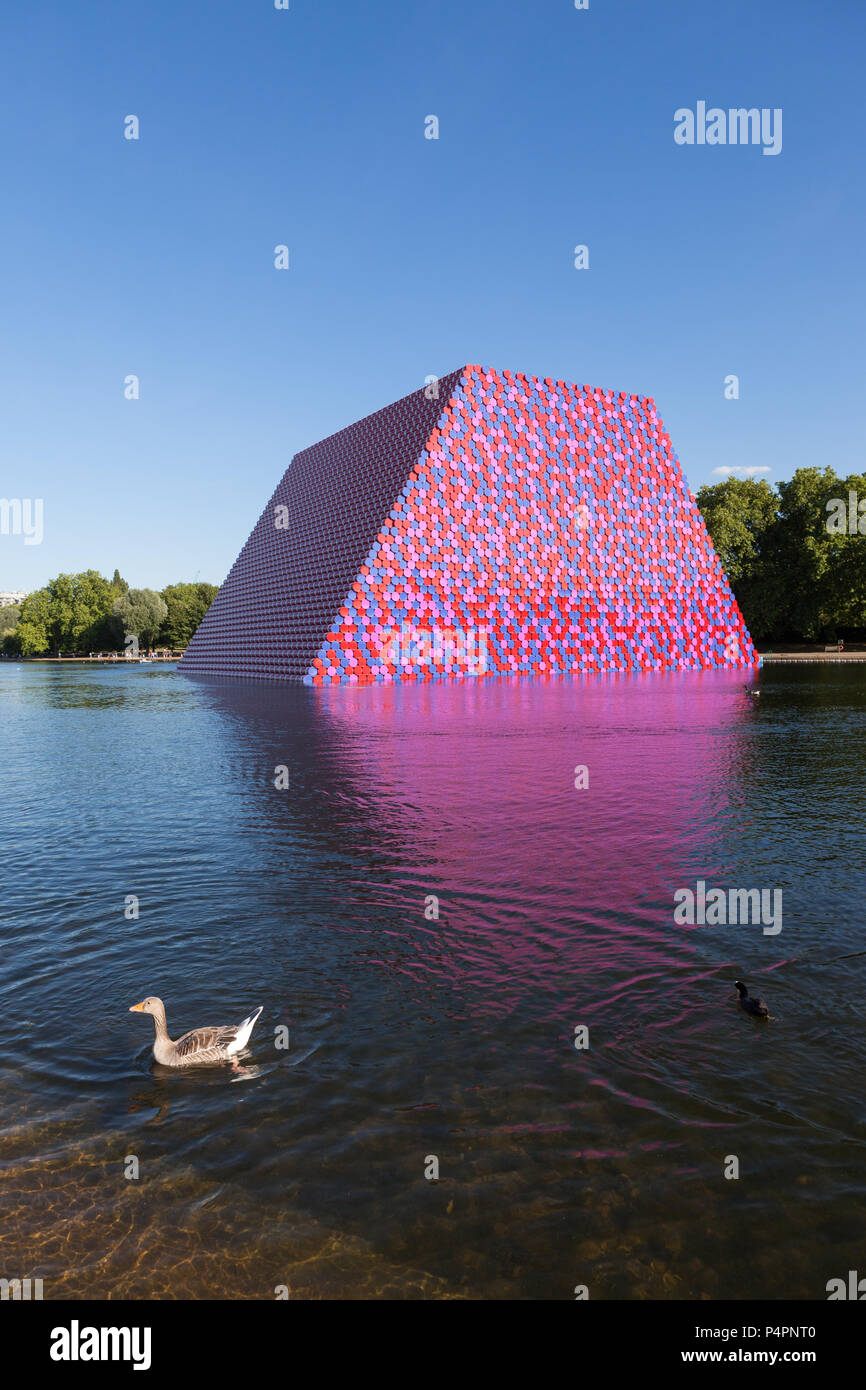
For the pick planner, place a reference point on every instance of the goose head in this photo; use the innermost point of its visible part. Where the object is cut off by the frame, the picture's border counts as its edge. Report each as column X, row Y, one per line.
column 150, row 1005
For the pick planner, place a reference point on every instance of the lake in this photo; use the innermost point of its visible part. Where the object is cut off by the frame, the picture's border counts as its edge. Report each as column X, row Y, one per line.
column 428, row 912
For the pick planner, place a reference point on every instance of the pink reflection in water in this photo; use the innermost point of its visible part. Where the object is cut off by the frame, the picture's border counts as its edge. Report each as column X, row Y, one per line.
column 474, row 787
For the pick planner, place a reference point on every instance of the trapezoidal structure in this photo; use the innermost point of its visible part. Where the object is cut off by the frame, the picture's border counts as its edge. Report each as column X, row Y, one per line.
column 489, row 524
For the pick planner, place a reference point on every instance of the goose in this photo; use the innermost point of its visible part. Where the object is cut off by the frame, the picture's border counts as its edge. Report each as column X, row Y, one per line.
column 753, row 1004
column 199, row 1048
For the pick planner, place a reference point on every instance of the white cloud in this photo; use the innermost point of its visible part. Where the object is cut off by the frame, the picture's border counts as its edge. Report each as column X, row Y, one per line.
column 741, row 471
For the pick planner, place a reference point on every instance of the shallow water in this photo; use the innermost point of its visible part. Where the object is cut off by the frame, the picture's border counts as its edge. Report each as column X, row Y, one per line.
column 412, row 1037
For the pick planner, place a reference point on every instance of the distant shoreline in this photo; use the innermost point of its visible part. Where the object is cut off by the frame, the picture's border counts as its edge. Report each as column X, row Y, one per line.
column 799, row 655
column 93, row 660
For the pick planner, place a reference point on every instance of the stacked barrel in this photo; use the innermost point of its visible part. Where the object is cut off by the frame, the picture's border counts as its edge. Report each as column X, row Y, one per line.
column 489, row 524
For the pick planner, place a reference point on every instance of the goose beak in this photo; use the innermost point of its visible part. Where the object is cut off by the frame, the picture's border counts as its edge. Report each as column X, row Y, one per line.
column 137, row 1008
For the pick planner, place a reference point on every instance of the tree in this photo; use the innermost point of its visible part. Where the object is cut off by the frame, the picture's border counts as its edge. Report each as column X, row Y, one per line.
column 10, row 642
column 88, row 612
column 793, row 573
column 9, row 617
column 34, row 629
column 807, row 554
column 78, row 603
column 141, row 613
column 186, row 605
column 849, row 572
column 741, row 516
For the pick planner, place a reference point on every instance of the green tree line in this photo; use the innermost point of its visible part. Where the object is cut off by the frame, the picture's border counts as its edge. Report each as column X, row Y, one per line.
column 795, row 554
column 87, row 612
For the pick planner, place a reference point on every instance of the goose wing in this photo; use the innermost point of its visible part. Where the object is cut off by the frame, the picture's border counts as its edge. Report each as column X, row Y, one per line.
column 206, row 1044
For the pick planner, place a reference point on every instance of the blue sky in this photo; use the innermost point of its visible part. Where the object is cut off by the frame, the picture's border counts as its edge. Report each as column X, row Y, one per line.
column 409, row 256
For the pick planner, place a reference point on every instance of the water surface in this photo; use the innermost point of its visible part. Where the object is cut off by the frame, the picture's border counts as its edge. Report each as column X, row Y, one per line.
column 412, row 1037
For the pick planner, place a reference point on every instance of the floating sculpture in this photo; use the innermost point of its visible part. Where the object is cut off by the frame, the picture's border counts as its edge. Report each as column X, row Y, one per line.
column 488, row 524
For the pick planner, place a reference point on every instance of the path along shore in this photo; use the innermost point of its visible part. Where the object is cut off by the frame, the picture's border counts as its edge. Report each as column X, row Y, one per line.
column 97, row 660
column 774, row 658
column 768, row 658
